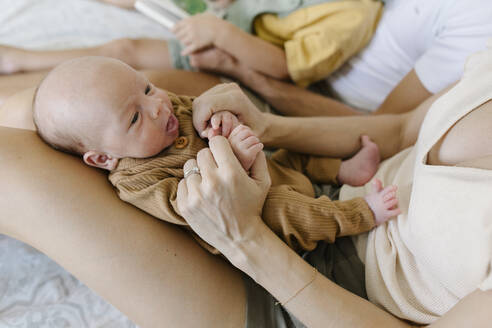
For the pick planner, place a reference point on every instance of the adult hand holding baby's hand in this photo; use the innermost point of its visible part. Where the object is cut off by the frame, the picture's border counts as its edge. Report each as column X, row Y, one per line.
column 221, row 124
column 226, row 97
column 223, row 204
column 198, row 32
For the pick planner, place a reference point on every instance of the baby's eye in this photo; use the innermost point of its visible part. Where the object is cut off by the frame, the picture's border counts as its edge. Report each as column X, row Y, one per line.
column 148, row 89
column 134, row 118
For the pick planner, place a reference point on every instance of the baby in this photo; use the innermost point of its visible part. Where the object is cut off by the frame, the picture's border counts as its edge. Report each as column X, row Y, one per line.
column 112, row 116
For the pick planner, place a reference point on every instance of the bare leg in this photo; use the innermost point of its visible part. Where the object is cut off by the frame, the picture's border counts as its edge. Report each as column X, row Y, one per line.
column 11, row 84
column 174, row 80
column 140, row 54
column 152, row 271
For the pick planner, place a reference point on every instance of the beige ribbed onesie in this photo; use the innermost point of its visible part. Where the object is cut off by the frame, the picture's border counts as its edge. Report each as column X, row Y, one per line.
column 290, row 209
column 439, row 250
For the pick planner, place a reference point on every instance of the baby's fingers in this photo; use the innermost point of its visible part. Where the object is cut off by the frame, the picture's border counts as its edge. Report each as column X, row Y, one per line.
column 389, row 190
column 216, row 121
column 389, row 195
column 394, row 212
column 226, row 124
column 212, row 133
column 391, row 203
column 377, row 185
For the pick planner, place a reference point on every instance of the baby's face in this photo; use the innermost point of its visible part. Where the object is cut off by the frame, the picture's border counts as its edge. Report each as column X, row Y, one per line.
column 134, row 118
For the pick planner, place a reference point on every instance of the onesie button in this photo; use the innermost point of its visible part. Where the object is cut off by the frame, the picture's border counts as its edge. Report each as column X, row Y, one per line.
column 181, row 142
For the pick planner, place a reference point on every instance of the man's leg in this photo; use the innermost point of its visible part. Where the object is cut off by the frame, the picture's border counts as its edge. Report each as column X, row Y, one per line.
column 140, row 54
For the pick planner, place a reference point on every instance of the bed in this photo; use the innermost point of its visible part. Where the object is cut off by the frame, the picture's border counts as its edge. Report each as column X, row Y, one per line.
column 34, row 290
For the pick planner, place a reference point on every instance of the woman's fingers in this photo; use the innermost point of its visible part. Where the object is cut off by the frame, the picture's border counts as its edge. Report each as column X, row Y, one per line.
column 207, row 164
column 226, row 97
column 192, row 175
column 182, row 196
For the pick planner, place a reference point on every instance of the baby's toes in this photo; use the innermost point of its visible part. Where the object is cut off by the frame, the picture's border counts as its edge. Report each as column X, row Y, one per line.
column 389, row 195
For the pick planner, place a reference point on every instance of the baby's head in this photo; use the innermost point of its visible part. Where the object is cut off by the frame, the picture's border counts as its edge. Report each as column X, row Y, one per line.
column 103, row 110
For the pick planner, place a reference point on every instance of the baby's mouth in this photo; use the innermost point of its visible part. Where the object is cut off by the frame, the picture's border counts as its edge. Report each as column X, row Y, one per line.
column 172, row 124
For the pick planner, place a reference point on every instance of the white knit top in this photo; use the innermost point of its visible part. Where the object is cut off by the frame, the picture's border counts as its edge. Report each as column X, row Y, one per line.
column 440, row 248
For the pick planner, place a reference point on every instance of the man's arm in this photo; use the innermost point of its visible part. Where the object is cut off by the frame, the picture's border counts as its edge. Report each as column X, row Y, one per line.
column 407, row 95
column 286, row 98
column 294, row 101
column 265, row 57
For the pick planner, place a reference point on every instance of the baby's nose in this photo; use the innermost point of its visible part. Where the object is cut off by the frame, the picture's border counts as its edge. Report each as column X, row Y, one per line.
column 156, row 109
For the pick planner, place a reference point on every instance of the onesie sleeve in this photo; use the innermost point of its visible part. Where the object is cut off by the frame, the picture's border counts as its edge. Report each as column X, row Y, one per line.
column 465, row 31
column 153, row 191
column 301, row 221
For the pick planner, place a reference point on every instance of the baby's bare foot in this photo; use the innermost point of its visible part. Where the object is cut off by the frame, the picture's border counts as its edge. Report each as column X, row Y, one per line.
column 8, row 60
column 359, row 169
column 383, row 202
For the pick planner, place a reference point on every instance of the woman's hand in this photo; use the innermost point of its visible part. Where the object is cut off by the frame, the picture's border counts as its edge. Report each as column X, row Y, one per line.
column 223, row 204
column 230, row 97
column 199, row 31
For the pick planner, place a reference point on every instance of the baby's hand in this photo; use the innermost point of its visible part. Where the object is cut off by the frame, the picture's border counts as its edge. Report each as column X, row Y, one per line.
column 221, row 123
column 198, row 31
column 383, row 202
column 245, row 145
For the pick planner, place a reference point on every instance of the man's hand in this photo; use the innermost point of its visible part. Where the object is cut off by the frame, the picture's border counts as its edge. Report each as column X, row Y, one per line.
column 227, row 97
column 199, row 31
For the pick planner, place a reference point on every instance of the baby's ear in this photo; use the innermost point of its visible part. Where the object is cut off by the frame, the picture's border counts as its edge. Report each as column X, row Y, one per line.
column 100, row 160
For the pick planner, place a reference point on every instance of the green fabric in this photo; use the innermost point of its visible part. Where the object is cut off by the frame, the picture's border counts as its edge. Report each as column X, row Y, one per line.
column 242, row 13
column 174, row 48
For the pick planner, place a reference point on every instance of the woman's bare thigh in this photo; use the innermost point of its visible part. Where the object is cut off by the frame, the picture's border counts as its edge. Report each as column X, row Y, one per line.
column 152, row 271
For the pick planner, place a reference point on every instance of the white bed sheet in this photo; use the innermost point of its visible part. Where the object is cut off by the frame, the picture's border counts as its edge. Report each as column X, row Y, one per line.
column 35, row 291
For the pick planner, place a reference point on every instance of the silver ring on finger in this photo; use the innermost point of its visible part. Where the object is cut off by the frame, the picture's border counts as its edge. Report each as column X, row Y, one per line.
column 193, row 170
